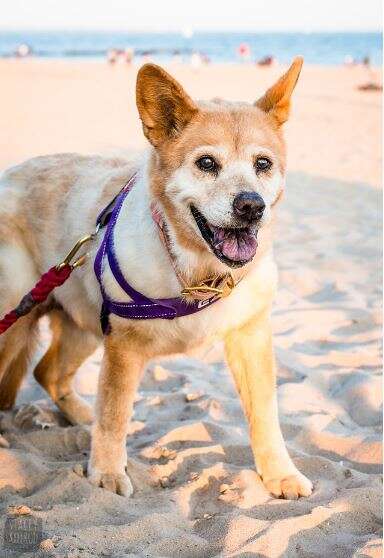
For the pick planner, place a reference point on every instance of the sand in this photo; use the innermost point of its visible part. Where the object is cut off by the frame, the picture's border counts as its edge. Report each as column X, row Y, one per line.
column 50, row 106
column 196, row 491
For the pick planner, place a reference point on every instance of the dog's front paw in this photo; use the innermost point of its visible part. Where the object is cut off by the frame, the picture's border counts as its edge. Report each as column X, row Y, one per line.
column 290, row 487
column 119, row 483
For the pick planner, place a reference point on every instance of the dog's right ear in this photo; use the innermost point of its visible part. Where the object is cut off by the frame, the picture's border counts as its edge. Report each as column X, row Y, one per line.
column 164, row 107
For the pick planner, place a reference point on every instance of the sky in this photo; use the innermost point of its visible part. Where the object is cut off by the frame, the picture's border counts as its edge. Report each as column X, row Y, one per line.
column 215, row 15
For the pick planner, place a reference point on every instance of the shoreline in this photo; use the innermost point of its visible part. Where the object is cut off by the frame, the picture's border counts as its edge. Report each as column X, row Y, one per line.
column 140, row 60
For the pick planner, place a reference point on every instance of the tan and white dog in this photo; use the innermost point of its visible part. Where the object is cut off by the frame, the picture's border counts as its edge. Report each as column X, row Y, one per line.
column 215, row 171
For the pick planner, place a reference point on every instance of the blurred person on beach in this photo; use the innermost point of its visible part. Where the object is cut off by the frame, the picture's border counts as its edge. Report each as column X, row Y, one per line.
column 266, row 61
column 196, row 60
column 349, row 61
column 244, row 52
column 373, row 83
column 23, row 50
column 112, row 54
column 115, row 55
column 129, row 55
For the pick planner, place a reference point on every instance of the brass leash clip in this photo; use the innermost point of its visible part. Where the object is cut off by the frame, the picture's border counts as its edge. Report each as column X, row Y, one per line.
column 81, row 259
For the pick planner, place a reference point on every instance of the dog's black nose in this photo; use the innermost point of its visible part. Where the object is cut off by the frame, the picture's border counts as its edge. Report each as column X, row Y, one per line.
column 249, row 206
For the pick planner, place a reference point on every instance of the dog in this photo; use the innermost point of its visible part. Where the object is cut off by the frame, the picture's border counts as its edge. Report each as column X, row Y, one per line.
column 214, row 171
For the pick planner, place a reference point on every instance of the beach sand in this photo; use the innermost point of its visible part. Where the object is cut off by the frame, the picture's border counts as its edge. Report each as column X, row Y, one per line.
column 196, row 490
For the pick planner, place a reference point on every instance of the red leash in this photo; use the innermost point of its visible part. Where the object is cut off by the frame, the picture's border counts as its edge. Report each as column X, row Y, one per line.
column 49, row 281
column 53, row 278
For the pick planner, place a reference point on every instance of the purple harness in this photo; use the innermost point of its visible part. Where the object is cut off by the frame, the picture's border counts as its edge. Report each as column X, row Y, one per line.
column 141, row 307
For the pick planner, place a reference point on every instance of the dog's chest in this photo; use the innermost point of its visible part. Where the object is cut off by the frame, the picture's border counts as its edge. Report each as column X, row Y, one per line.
column 249, row 298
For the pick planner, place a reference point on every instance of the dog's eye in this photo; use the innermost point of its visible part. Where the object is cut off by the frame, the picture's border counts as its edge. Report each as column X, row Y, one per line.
column 207, row 164
column 263, row 164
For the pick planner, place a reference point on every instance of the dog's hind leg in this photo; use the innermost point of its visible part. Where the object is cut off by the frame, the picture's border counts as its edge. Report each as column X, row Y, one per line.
column 12, row 379
column 70, row 346
column 17, row 276
column 16, row 347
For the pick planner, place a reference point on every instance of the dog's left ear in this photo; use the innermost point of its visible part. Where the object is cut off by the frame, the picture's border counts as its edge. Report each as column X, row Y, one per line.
column 164, row 107
column 276, row 101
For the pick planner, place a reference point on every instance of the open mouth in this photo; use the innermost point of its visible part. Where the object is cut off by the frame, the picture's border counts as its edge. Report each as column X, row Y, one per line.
column 233, row 246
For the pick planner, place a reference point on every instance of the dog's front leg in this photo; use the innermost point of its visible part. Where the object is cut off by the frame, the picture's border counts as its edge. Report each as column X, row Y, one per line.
column 250, row 357
column 119, row 378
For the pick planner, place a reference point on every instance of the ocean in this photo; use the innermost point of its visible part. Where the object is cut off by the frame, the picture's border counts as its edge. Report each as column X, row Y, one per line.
column 317, row 48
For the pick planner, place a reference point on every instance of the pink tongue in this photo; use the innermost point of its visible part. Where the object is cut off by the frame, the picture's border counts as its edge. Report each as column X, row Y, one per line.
column 240, row 245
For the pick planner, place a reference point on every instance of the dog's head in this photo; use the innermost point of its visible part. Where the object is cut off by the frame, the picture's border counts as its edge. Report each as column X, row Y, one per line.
column 218, row 168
